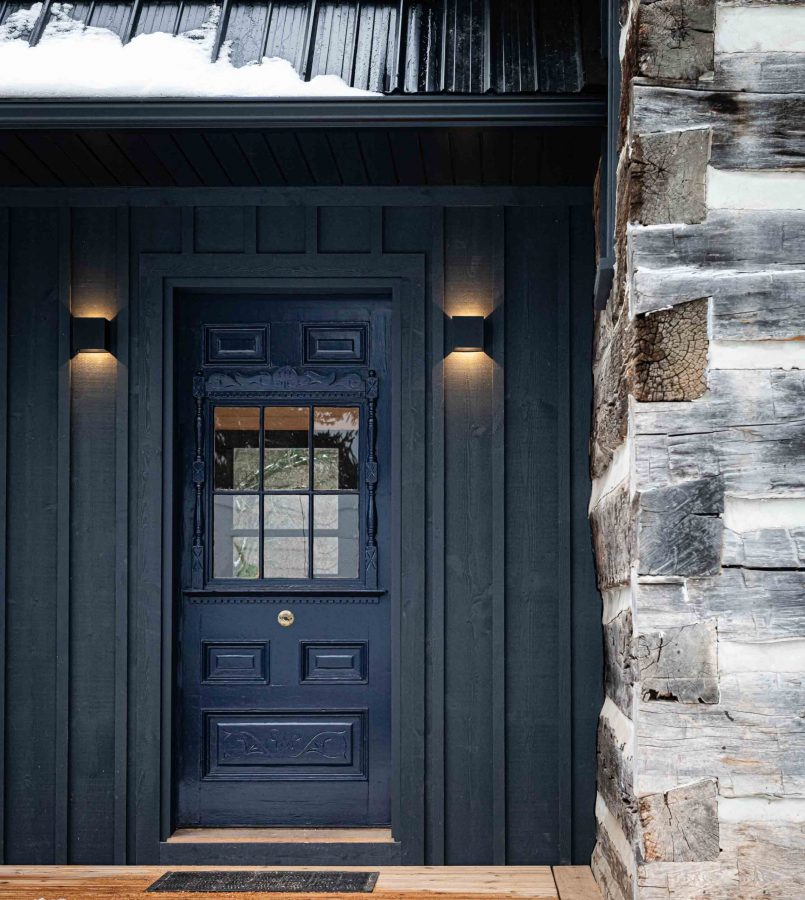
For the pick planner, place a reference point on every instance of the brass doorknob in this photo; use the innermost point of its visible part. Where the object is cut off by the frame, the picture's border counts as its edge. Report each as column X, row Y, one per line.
column 285, row 618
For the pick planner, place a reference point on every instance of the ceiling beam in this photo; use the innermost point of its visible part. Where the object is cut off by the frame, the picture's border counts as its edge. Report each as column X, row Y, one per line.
column 398, row 111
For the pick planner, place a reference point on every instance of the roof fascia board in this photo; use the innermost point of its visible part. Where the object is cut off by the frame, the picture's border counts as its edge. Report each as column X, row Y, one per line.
column 548, row 111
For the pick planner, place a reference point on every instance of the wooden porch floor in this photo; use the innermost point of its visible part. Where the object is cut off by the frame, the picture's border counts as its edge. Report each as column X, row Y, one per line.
column 394, row 883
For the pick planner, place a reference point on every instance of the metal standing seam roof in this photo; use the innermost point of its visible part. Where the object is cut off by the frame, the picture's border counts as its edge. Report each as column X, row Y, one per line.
column 408, row 46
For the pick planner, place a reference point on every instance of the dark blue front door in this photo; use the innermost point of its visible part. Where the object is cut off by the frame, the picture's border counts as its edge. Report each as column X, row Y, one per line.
column 283, row 682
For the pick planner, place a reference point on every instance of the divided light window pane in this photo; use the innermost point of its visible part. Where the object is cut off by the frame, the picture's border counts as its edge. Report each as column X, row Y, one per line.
column 335, row 448
column 287, row 526
column 237, row 448
column 281, row 482
column 236, row 536
column 335, row 535
column 286, row 453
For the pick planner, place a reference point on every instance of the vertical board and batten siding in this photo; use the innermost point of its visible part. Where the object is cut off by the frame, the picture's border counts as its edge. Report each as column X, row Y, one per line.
column 537, row 516
column 92, row 548
column 33, row 749
column 472, row 431
column 510, row 675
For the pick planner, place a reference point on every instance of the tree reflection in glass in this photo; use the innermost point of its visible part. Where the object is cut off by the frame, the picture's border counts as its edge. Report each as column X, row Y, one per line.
column 335, row 536
column 286, row 449
column 237, row 448
column 281, row 482
column 236, row 545
column 335, row 448
column 286, row 535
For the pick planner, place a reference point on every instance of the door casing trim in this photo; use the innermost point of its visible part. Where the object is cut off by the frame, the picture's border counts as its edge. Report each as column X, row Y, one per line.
column 402, row 277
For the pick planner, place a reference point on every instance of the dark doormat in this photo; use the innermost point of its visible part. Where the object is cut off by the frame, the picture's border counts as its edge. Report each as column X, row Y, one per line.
column 241, row 882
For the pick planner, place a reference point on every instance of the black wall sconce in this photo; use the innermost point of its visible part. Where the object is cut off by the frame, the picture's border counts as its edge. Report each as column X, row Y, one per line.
column 466, row 334
column 90, row 335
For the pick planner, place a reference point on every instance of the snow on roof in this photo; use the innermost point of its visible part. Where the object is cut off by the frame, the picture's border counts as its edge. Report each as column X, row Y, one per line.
column 76, row 60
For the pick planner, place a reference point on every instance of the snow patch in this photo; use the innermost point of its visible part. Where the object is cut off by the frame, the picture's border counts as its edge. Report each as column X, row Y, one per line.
column 20, row 24
column 75, row 60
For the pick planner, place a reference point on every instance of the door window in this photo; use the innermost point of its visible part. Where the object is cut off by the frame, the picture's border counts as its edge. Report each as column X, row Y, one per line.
column 278, row 470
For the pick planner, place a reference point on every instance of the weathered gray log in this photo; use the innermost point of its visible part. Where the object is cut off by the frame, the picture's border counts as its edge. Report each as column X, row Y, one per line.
column 747, row 306
column 679, row 529
column 758, row 860
column 652, row 464
column 752, row 741
column 760, row 460
column 759, row 308
column 767, row 548
column 704, row 735
column 729, row 239
column 670, row 358
column 658, row 356
column 615, row 782
column 750, row 131
column 628, row 16
column 748, row 605
column 610, row 870
column 770, row 858
column 613, row 359
column 735, row 398
column 751, row 695
column 672, row 881
column 768, row 73
column 668, row 177
column 752, row 605
column 681, row 825
column 612, row 524
column 676, row 38
column 619, row 670
column 679, row 664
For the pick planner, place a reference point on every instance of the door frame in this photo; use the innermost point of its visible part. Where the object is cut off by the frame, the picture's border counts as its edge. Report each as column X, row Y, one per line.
column 152, row 627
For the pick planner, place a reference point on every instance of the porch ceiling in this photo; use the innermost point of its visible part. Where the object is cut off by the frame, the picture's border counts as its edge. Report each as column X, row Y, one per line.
column 389, row 157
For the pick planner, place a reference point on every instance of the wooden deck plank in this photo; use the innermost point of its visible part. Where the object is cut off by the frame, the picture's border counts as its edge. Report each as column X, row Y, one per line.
column 281, row 836
column 394, row 883
column 575, row 883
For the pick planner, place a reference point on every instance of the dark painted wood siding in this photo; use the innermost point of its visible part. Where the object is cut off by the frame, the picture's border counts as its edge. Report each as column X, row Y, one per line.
column 511, row 677
column 35, row 749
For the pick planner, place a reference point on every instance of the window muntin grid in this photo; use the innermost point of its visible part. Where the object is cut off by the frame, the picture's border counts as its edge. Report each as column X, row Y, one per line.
column 286, row 492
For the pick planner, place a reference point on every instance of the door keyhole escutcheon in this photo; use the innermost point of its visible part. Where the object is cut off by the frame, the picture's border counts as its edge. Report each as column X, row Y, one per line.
column 285, row 618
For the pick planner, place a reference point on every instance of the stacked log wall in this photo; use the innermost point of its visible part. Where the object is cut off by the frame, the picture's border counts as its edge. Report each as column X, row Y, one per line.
column 698, row 459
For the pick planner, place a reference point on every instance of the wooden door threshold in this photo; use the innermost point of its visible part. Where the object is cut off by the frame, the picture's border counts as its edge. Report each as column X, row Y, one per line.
column 281, row 836
column 281, row 847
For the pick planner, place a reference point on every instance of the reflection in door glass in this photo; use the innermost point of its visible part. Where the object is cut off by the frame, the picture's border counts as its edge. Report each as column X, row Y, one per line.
column 237, row 448
column 286, row 460
column 335, row 536
column 287, row 526
column 335, row 448
column 236, row 545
